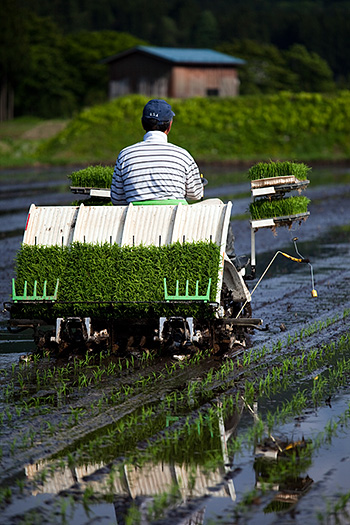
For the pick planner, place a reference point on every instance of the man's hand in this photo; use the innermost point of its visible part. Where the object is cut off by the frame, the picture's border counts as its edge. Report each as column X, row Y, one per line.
column 204, row 180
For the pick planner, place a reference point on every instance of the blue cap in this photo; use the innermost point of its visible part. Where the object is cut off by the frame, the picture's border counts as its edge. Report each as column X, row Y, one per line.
column 159, row 110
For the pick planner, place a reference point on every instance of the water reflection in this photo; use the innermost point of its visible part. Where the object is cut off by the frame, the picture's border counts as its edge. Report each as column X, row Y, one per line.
column 270, row 471
column 142, row 486
column 288, row 491
column 162, row 485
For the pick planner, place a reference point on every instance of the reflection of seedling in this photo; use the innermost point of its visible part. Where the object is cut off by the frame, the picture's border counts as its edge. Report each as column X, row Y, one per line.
column 43, row 475
column 134, row 515
column 64, row 504
column 336, row 512
column 327, row 362
column 87, row 497
column 111, row 480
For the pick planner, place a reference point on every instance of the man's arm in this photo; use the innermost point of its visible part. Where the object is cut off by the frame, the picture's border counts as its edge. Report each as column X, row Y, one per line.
column 194, row 185
column 117, row 187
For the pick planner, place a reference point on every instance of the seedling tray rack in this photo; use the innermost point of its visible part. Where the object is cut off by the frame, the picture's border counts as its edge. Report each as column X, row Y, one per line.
column 93, row 192
column 274, row 187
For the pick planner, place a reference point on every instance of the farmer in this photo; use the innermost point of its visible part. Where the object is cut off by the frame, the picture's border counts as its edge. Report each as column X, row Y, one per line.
column 154, row 171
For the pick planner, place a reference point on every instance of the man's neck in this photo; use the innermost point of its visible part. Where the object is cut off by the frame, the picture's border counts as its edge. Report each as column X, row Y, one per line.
column 156, row 136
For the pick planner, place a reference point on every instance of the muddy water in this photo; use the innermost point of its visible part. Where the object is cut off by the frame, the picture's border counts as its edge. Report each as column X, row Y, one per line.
column 73, row 451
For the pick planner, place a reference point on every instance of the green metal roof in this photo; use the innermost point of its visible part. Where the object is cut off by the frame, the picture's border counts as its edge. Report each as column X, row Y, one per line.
column 179, row 55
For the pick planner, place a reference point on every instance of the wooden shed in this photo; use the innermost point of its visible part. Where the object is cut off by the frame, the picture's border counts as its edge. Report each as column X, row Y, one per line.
column 173, row 72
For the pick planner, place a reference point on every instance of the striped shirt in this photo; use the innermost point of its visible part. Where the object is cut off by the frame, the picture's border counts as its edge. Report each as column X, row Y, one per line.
column 155, row 170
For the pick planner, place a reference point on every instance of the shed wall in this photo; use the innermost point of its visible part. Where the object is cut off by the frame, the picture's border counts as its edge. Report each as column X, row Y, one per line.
column 139, row 74
column 145, row 75
column 204, row 81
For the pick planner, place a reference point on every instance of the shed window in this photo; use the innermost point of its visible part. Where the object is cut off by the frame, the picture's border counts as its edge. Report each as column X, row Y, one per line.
column 212, row 92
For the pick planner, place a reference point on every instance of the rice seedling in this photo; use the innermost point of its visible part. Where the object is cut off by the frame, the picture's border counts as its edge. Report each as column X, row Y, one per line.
column 13, row 446
column 87, row 499
column 265, row 208
column 119, row 275
column 263, row 170
column 5, row 494
column 9, row 390
column 83, row 381
column 50, row 427
column 247, row 358
column 66, row 504
column 9, row 415
column 76, row 413
column 330, row 430
column 92, row 177
column 20, row 485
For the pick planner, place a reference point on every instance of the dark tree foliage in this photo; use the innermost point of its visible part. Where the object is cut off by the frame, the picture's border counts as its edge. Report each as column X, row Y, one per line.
column 50, row 49
column 13, row 47
column 53, row 74
column 322, row 26
column 270, row 69
column 48, row 86
column 83, row 52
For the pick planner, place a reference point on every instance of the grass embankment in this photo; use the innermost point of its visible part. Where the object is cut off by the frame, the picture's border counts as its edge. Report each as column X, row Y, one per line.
column 21, row 137
column 303, row 126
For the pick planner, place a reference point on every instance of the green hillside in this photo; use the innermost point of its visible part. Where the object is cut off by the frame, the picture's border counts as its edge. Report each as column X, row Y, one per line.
column 302, row 126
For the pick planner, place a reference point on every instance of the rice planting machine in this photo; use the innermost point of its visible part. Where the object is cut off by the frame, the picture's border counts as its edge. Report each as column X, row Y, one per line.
column 182, row 315
column 129, row 301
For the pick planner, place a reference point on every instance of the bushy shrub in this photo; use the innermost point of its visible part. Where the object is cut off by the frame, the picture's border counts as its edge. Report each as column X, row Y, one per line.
column 280, row 126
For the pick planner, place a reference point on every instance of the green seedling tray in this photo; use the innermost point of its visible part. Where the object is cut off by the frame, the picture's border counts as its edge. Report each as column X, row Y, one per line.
column 35, row 296
column 187, row 296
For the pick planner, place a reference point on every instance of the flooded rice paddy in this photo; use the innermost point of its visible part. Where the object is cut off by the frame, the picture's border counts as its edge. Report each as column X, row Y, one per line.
column 262, row 438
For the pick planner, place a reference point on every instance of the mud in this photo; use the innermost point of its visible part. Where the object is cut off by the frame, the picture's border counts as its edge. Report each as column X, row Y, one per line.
column 157, row 440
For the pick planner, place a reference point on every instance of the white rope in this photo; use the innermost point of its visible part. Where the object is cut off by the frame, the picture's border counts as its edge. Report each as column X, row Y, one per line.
column 259, row 281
